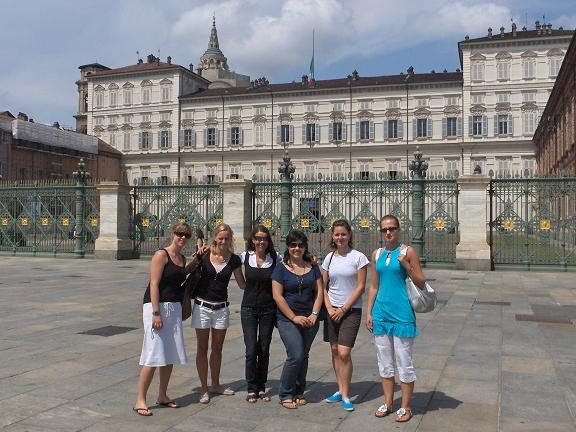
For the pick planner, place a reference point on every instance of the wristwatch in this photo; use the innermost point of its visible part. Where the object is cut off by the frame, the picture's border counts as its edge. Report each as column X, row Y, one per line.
column 314, row 313
column 155, row 313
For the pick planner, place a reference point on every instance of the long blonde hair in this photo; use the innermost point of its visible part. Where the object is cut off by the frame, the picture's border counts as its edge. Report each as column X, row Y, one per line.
column 218, row 230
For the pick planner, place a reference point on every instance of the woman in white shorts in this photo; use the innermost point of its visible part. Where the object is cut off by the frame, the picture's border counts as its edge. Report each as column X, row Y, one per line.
column 211, row 307
column 163, row 344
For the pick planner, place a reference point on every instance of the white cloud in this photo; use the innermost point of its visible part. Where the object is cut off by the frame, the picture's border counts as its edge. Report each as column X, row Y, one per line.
column 567, row 21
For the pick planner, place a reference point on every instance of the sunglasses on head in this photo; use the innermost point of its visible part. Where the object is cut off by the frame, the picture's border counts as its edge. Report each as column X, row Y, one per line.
column 386, row 229
column 296, row 245
column 182, row 234
column 260, row 238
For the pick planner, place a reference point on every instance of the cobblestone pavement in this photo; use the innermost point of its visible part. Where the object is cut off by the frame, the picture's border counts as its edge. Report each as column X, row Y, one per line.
column 498, row 354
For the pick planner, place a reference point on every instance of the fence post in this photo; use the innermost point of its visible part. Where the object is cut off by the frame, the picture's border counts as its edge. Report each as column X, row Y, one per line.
column 237, row 209
column 418, row 169
column 114, row 242
column 472, row 251
column 286, row 170
column 81, row 175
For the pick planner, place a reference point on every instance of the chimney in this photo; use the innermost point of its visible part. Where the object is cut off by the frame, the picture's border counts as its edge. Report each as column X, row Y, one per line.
column 22, row 116
column 537, row 27
column 355, row 75
column 514, row 29
column 560, row 28
column 524, row 28
column 466, row 37
column 169, row 60
column 56, row 125
column 150, row 58
column 191, row 67
column 490, row 32
column 549, row 28
column 304, row 79
column 502, row 31
column 140, row 61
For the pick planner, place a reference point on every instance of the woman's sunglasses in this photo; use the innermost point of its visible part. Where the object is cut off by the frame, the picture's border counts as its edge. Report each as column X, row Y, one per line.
column 296, row 245
column 386, row 229
column 259, row 238
column 182, row 234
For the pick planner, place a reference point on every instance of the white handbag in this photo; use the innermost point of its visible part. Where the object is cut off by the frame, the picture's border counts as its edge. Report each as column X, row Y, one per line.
column 422, row 300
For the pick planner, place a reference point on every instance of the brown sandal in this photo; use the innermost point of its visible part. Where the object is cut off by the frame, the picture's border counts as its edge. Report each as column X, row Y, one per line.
column 252, row 398
column 147, row 412
column 403, row 415
column 382, row 411
column 300, row 400
column 289, row 404
column 264, row 397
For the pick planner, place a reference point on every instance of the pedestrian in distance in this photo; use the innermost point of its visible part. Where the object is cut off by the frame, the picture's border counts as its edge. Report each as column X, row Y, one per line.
column 210, row 314
column 163, row 344
column 298, row 292
column 258, row 310
column 390, row 317
column 344, row 272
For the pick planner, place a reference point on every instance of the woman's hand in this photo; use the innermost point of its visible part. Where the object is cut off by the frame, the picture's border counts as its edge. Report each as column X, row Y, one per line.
column 336, row 314
column 369, row 322
column 312, row 318
column 156, row 323
column 301, row 320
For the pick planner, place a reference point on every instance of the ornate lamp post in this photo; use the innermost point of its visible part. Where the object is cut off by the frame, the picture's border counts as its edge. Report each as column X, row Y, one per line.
column 81, row 176
column 418, row 169
column 286, row 170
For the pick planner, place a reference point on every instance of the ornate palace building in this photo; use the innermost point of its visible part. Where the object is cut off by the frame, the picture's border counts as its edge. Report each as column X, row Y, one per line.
column 173, row 123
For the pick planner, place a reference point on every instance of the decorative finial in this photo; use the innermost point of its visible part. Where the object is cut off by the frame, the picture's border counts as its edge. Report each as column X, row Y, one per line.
column 81, row 175
column 418, row 166
column 286, row 168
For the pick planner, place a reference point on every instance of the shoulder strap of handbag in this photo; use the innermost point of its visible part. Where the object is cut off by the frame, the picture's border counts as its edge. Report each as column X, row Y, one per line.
column 328, row 272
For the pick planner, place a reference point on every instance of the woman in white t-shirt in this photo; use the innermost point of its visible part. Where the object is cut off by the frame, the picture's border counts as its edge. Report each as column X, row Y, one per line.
column 344, row 271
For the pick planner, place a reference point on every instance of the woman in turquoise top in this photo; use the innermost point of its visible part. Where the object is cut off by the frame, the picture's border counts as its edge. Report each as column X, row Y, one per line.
column 390, row 317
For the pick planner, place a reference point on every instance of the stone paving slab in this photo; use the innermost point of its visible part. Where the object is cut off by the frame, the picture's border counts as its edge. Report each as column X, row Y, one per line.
column 478, row 367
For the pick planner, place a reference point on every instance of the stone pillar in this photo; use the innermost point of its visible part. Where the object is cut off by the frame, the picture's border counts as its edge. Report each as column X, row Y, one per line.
column 114, row 240
column 237, row 211
column 473, row 251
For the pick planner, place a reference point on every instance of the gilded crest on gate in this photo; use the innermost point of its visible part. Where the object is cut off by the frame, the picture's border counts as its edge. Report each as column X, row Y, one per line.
column 305, row 223
column 544, row 224
column 267, row 222
column 5, row 221
column 508, row 224
column 146, row 222
column 365, row 223
column 45, row 221
column 440, row 224
column 94, row 222
column 24, row 221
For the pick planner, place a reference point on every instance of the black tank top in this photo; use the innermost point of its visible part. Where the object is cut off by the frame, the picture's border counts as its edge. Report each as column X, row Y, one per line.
column 258, row 291
column 170, row 283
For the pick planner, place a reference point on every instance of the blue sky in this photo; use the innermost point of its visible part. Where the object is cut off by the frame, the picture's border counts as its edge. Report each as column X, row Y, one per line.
column 44, row 41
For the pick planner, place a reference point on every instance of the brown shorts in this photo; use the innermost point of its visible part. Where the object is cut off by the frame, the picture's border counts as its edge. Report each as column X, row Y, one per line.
column 343, row 333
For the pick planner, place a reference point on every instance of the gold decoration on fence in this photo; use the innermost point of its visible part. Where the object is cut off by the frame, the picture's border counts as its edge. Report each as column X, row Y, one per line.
column 365, row 223
column 508, row 224
column 45, row 221
column 94, row 222
column 146, row 222
column 24, row 221
column 305, row 223
column 219, row 221
column 181, row 220
column 4, row 221
column 65, row 222
column 440, row 224
column 267, row 222
column 545, row 224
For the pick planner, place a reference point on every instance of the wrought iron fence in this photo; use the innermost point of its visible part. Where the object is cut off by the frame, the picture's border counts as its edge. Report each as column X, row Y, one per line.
column 157, row 207
column 39, row 217
column 532, row 221
column 317, row 203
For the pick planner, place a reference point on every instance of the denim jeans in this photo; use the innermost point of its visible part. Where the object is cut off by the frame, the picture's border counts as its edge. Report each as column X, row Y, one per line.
column 257, row 325
column 297, row 341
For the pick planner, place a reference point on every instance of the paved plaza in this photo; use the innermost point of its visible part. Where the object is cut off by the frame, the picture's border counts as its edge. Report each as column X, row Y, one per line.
column 498, row 354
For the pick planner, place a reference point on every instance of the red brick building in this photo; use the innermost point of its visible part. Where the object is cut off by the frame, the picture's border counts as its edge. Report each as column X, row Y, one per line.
column 33, row 151
column 555, row 137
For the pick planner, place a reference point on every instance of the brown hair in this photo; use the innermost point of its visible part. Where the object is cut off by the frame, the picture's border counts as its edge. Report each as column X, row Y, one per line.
column 220, row 228
column 341, row 223
column 181, row 226
column 250, row 244
column 389, row 216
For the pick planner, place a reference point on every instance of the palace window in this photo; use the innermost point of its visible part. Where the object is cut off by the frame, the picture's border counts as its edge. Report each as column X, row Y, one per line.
column 528, row 68
column 126, row 141
column 554, row 65
column 164, row 139
column 392, row 129
column 477, row 71
column 365, row 130
column 210, row 137
column 336, row 130
column 529, row 122
column 311, row 133
column 503, row 70
column 259, row 134
column 145, row 140
column 451, row 126
column 422, row 127
column 189, row 138
column 234, row 171
column 166, row 92
column 234, row 137
column 211, row 174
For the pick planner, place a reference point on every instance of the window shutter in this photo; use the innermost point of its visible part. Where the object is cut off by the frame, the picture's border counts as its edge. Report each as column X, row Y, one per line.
column 429, row 127
column 169, row 139
column 357, row 131
column 485, row 125
column 386, row 125
column 371, row 130
column 304, row 128
column 228, row 137
column 192, row 138
column 180, row 138
column 240, row 136
column 459, row 126
column 510, row 124
column 205, row 137
column 344, row 132
column 444, row 127
column 331, row 132
column 140, row 140
column 291, row 133
column 400, row 129
column 317, row 131
column 496, row 125
column 159, row 136
column 470, row 125
column 217, row 134
column 414, row 129
column 278, row 134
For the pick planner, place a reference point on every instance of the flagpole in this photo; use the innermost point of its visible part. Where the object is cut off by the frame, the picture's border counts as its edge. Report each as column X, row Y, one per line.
column 313, row 51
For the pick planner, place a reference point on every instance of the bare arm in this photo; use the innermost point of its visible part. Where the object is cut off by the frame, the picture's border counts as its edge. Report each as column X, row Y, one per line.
column 157, row 264
column 320, row 294
column 411, row 263
column 277, row 294
column 239, row 276
column 372, row 292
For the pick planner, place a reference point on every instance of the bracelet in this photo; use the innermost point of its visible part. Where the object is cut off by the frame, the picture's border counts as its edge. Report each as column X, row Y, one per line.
column 342, row 309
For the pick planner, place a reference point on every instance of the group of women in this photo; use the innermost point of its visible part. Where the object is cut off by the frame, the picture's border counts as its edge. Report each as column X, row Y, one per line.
column 289, row 292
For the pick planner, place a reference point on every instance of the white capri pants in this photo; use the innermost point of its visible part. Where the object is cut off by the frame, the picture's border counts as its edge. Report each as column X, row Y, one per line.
column 389, row 348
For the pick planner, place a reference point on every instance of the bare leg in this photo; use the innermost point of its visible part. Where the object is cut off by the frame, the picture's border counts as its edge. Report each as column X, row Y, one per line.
column 165, row 373
column 218, row 337
column 202, row 337
column 336, row 364
column 407, row 390
column 146, row 375
column 345, row 372
column 388, row 387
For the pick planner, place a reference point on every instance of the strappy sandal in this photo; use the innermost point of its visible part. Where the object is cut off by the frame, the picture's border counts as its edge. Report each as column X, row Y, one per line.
column 252, row 398
column 144, row 412
column 289, row 404
column 264, row 397
column 300, row 400
column 403, row 415
column 168, row 404
column 382, row 411
column 205, row 398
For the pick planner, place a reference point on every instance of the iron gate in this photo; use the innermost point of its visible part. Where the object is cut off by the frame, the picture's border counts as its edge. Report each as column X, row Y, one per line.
column 316, row 204
column 532, row 222
column 157, row 207
column 40, row 217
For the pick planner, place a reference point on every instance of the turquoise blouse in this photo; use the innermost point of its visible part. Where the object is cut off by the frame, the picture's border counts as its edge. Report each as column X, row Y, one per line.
column 392, row 313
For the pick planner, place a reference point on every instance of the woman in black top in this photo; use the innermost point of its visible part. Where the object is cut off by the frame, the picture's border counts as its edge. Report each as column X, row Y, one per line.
column 258, row 312
column 163, row 344
column 211, row 307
